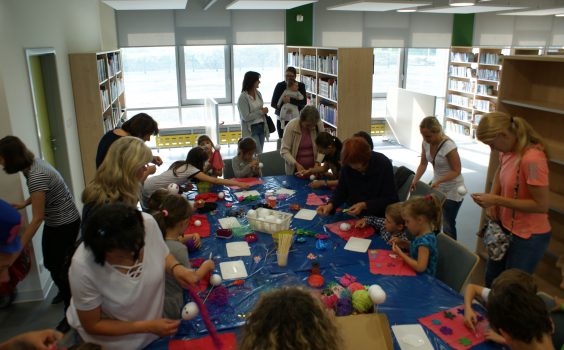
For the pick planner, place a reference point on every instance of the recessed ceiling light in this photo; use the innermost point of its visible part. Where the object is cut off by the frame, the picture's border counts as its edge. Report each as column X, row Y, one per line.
column 409, row 9
column 560, row 15
column 377, row 5
column 461, row 2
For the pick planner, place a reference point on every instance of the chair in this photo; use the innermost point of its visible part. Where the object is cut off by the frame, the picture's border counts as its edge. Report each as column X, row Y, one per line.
column 403, row 191
column 273, row 164
column 228, row 169
column 455, row 263
column 422, row 189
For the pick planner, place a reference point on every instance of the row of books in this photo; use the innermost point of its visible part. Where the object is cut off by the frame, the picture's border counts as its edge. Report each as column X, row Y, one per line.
column 460, row 85
column 488, row 74
column 328, row 113
column 113, row 63
column 484, row 89
column 293, row 59
column 457, row 71
column 102, row 73
column 105, row 98
column 463, row 57
column 308, row 62
column 484, row 105
column 309, row 82
column 459, row 114
column 453, row 127
column 489, row 58
column 460, row 100
column 328, row 64
column 328, row 88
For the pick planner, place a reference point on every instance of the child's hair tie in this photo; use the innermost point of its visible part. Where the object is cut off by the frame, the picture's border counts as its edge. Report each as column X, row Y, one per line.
column 165, row 212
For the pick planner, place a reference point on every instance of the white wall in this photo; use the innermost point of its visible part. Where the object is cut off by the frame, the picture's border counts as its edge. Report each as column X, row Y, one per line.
column 68, row 26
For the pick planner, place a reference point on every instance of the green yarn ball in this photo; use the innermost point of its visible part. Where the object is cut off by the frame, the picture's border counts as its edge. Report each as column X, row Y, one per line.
column 361, row 301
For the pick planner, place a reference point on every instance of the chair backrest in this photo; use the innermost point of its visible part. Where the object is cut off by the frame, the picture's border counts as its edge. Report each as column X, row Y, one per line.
column 455, row 263
column 273, row 163
column 422, row 189
column 228, row 169
column 403, row 191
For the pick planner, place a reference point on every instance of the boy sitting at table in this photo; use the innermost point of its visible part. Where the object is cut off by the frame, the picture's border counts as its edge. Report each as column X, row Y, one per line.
column 390, row 226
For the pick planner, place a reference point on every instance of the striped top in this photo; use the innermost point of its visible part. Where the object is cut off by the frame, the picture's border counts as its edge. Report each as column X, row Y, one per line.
column 60, row 208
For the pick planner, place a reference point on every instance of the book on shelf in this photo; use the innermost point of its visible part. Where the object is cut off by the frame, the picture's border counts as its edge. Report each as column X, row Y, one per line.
column 453, row 127
column 459, row 114
column 113, row 63
column 328, row 64
column 328, row 113
column 293, row 59
column 484, row 105
column 309, row 82
column 328, row 88
column 477, row 118
column 104, row 98
column 460, row 85
column 463, row 57
column 484, row 89
column 489, row 58
column 488, row 74
column 465, row 72
column 460, row 100
column 102, row 73
column 308, row 62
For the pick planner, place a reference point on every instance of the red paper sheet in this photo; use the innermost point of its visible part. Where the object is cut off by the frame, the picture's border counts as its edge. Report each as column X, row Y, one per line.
column 252, row 181
column 313, row 199
column 228, row 342
column 203, row 230
column 449, row 326
column 365, row 232
column 381, row 263
column 209, row 197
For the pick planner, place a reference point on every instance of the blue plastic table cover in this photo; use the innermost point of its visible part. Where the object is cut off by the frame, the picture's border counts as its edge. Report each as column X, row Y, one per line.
column 408, row 298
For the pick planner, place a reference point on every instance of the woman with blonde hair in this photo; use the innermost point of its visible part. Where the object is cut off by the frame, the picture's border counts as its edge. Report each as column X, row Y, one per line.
column 290, row 318
column 520, row 194
column 442, row 153
column 119, row 177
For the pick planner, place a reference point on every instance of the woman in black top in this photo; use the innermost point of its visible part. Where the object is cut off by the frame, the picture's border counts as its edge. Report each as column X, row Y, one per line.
column 330, row 146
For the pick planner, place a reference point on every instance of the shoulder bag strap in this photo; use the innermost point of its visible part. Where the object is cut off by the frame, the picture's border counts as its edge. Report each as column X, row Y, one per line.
column 438, row 149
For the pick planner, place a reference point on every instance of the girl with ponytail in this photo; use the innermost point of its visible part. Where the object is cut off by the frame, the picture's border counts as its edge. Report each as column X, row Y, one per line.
column 330, row 146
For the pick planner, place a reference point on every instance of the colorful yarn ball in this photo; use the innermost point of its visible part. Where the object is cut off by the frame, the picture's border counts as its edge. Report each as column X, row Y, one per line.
column 330, row 301
column 197, row 262
column 191, row 245
column 361, row 301
column 353, row 287
column 337, row 289
column 344, row 306
column 219, row 296
column 316, row 281
column 347, row 279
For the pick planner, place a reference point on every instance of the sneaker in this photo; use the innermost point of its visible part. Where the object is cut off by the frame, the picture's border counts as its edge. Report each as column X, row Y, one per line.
column 57, row 299
column 63, row 326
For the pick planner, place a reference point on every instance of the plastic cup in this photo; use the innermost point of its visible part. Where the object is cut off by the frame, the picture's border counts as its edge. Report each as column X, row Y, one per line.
column 271, row 201
column 282, row 259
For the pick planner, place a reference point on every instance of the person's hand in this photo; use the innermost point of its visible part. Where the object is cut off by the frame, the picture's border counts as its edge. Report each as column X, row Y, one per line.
column 243, row 185
column 558, row 303
column 164, row 327
column 403, row 244
column 325, row 210
column 299, row 168
column 396, row 249
column 360, row 223
column 435, row 184
column 495, row 337
column 286, row 99
column 317, row 184
column 18, row 205
column 485, row 200
column 470, row 319
column 206, row 267
column 38, row 340
column 196, row 238
column 151, row 169
column 305, row 172
column 492, row 213
column 264, row 110
column 157, row 160
column 412, row 186
column 357, row 208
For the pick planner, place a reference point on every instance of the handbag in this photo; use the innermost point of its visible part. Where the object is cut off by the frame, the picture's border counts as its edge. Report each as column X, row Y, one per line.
column 270, row 123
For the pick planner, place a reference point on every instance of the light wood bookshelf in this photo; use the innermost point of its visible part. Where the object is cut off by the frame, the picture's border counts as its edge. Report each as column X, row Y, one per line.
column 531, row 88
column 339, row 83
column 472, row 88
column 99, row 101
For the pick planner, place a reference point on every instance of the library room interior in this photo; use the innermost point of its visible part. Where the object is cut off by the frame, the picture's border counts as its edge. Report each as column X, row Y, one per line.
column 234, row 174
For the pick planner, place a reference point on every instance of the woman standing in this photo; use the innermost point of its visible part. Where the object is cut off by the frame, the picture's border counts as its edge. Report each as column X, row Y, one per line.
column 520, row 194
column 252, row 110
column 441, row 152
column 51, row 202
column 298, row 147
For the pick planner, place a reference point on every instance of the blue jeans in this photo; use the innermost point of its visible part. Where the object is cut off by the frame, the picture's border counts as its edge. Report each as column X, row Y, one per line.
column 450, row 211
column 523, row 254
column 257, row 133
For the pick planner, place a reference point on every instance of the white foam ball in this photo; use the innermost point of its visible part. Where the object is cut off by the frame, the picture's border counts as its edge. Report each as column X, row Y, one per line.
column 173, row 189
column 377, row 294
column 462, row 190
column 252, row 213
column 215, row 280
column 345, row 226
column 221, row 195
column 312, row 177
column 197, row 223
column 284, row 183
column 190, row 311
column 217, row 147
column 261, row 165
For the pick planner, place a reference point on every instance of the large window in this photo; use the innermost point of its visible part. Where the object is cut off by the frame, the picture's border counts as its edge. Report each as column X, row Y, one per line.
column 150, row 77
column 427, row 72
column 205, row 72
column 387, row 68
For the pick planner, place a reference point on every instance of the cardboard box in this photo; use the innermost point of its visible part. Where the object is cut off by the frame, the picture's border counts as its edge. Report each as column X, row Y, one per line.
column 365, row 331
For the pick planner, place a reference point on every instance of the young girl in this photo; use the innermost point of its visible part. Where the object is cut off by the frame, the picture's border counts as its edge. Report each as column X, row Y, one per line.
column 182, row 171
column 330, row 146
column 206, row 143
column 390, row 226
column 244, row 163
column 422, row 217
column 173, row 217
column 304, row 323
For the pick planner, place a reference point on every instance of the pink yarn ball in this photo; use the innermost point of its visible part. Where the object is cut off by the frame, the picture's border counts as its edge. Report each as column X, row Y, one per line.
column 329, row 301
column 353, row 287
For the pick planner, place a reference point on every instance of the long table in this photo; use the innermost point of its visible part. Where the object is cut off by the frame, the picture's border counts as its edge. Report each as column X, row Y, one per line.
column 408, row 298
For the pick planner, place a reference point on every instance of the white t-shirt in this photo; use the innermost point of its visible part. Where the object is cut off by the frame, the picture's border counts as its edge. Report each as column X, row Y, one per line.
column 485, row 294
column 153, row 183
column 441, row 168
column 121, row 297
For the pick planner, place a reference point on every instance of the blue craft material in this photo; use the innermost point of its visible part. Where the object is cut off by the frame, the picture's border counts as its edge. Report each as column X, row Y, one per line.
column 321, row 244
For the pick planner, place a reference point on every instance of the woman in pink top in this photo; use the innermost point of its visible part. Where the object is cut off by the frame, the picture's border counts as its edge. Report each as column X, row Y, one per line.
column 520, row 192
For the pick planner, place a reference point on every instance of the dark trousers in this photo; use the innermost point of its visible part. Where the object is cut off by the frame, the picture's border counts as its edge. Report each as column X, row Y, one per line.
column 279, row 129
column 58, row 247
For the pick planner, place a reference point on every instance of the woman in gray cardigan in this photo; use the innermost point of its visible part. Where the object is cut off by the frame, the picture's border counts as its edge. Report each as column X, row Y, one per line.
column 252, row 110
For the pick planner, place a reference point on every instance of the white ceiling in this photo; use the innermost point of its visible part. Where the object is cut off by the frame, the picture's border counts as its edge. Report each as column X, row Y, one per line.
column 147, row 4
column 471, row 9
column 377, row 6
column 537, row 12
column 267, row 4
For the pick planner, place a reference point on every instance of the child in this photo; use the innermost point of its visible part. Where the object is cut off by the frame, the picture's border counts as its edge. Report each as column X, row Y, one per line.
column 507, row 280
column 244, row 163
column 173, row 217
column 391, row 226
column 330, row 146
column 303, row 323
column 182, row 171
column 422, row 217
column 206, row 143
column 289, row 111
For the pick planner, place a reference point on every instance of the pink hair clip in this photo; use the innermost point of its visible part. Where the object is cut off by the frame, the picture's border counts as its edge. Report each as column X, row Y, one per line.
column 165, row 212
